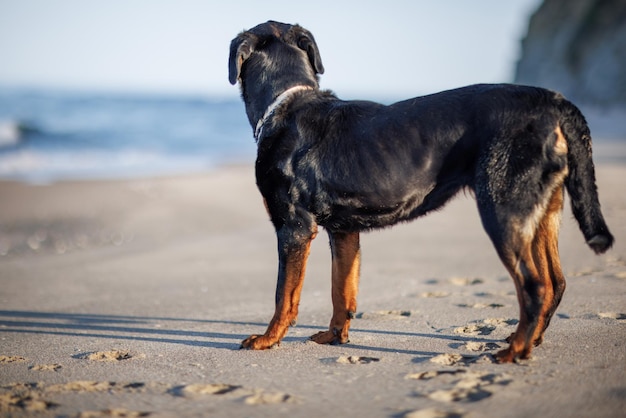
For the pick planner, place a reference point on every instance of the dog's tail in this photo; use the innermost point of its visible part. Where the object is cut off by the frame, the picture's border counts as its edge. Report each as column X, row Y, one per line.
column 581, row 179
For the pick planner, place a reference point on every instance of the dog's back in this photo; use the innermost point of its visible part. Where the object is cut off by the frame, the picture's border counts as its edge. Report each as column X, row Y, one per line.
column 371, row 165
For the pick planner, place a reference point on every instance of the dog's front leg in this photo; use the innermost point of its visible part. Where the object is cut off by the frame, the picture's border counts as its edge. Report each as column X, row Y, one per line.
column 293, row 251
column 345, row 277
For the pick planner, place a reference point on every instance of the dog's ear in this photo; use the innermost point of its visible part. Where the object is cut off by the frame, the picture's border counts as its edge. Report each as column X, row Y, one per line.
column 307, row 44
column 240, row 49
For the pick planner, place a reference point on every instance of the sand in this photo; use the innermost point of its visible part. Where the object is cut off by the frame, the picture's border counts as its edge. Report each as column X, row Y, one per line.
column 130, row 299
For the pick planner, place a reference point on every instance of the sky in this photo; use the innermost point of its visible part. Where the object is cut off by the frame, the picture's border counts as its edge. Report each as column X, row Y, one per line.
column 391, row 48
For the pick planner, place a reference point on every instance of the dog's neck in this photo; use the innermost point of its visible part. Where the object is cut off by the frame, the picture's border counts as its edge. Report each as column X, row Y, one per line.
column 274, row 105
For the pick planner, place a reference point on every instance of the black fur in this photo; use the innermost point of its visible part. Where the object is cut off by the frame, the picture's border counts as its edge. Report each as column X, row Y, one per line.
column 357, row 165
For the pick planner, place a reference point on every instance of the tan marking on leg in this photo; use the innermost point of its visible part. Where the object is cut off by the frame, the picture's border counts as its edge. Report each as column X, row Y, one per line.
column 517, row 339
column 541, row 262
column 345, row 283
column 546, row 257
column 287, row 309
column 537, row 260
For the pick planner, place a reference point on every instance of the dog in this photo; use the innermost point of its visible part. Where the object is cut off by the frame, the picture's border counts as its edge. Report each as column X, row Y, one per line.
column 354, row 166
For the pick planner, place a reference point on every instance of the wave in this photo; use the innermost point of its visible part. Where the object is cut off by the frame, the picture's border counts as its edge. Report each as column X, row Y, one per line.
column 12, row 132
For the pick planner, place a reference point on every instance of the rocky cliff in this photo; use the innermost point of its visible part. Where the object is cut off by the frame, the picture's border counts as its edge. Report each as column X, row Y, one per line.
column 577, row 47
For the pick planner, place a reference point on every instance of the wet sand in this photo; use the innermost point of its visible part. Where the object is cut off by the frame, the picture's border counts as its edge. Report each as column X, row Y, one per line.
column 130, row 298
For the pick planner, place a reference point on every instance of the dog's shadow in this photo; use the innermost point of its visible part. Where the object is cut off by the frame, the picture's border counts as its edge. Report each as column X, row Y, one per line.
column 185, row 331
column 121, row 327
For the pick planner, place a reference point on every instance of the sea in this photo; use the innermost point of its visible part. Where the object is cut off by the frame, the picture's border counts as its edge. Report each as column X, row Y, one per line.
column 47, row 136
column 52, row 135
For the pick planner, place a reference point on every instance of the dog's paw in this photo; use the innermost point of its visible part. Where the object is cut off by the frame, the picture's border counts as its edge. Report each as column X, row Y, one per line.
column 332, row 337
column 509, row 355
column 258, row 342
column 505, row 356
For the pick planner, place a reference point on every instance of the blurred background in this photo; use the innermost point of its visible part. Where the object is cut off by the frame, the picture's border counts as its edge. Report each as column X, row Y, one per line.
column 92, row 89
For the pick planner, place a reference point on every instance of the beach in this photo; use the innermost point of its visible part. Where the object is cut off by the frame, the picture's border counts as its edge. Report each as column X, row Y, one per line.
column 131, row 297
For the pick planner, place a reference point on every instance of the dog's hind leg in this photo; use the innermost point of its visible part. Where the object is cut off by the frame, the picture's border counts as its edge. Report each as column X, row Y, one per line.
column 529, row 251
column 293, row 250
column 546, row 257
column 519, row 191
column 527, row 247
column 545, row 253
column 534, row 295
column 345, row 282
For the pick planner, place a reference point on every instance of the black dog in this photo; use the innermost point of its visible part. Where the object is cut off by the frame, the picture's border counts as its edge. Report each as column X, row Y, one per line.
column 352, row 166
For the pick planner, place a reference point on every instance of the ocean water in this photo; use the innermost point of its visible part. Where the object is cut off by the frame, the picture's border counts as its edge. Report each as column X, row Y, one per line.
column 47, row 136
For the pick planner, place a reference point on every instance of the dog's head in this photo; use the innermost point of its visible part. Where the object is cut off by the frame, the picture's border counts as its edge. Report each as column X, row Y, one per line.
column 274, row 52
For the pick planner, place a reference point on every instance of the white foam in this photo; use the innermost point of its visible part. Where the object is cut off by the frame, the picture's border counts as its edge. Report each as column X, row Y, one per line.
column 10, row 133
column 45, row 167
